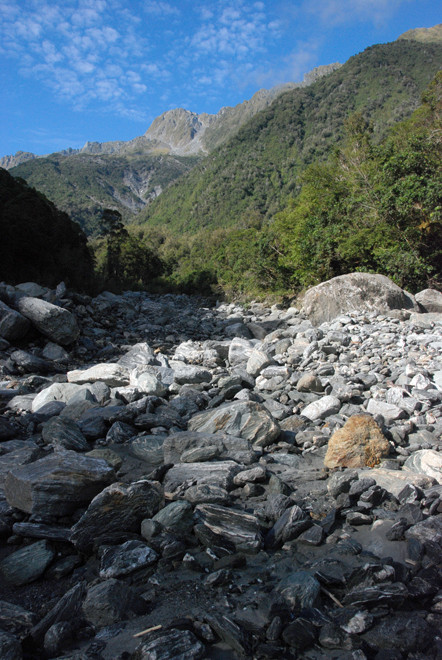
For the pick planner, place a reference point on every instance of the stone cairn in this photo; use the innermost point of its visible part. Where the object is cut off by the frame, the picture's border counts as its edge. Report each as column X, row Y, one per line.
column 186, row 480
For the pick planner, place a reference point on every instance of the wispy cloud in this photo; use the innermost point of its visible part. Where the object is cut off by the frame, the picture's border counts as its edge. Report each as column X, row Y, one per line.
column 339, row 12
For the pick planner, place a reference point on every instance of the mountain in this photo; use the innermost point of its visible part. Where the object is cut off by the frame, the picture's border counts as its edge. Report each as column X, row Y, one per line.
column 39, row 242
column 128, row 175
column 424, row 35
column 253, row 174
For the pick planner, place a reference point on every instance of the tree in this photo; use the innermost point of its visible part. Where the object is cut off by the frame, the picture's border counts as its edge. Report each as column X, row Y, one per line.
column 115, row 232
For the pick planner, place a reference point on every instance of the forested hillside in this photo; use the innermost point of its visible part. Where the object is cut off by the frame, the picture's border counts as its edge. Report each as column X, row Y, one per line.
column 253, row 175
column 39, row 242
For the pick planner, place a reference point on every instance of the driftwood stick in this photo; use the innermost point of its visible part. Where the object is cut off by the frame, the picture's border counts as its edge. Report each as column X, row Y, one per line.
column 334, row 599
column 148, row 630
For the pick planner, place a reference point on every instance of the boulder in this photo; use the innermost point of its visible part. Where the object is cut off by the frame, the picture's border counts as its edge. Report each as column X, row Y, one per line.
column 56, row 323
column 111, row 373
column 189, row 446
column 185, row 475
column 430, row 300
column 355, row 292
column 111, row 601
column 27, row 564
column 426, row 461
column 13, row 326
column 57, row 484
column 359, row 443
column 115, row 513
column 227, row 528
column 245, row 419
column 323, row 407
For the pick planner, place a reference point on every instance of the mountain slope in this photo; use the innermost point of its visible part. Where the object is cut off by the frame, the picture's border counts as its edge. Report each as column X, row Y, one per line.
column 254, row 173
column 39, row 242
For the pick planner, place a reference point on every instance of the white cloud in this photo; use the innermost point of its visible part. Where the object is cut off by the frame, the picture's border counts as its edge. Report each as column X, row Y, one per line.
column 160, row 8
column 337, row 12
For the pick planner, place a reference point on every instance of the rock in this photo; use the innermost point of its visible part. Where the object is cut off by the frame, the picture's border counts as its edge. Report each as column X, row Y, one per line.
column 138, row 355
column 309, row 382
column 124, row 559
column 363, row 292
column 299, row 590
column 112, row 374
column 427, row 530
column 223, row 447
column 232, row 530
column 245, row 419
column 184, row 475
column 176, row 516
column 359, row 443
column 389, row 411
column 171, row 644
column 64, row 433
column 116, row 512
column 401, row 631
column 56, row 323
column 257, row 361
column 55, row 353
column 184, row 373
column 426, row 461
column 13, row 326
column 27, row 564
column 322, row 408
column 55, row 392
column 29, row 363
column 394, row 480
column 149, row 448
column 10, row 647
column 15, row 619
column 57, row 484
column 111, row 601
column 67, row 608
column 240, row 350
column 430, row 300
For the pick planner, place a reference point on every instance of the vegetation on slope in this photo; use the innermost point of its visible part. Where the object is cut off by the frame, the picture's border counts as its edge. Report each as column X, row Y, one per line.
column 38, row 242
column 82, row 185
column 255, row 173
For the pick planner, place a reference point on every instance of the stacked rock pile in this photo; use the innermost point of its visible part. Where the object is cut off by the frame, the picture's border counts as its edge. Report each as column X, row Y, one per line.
column 182, row 480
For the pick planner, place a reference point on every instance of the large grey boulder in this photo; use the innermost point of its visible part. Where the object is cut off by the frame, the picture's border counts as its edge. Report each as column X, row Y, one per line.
column 57, row 484
column 355, row 292
column 110, row 373
column 430, row 300
column 56, row 323
column 227, row 528
column 245, row 419
column 13, row 326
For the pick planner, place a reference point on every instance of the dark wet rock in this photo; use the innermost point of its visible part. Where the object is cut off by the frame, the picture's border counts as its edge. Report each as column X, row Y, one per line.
column 206, row 494
column 299, row 590
column 120, row 432
column 56, row 323
column 288, row 527
column 26, row 362
column 41, row 531
column 125, row 558
column 14, row 453
column 149, row 448
column 244, row 419
column 401, row 631
column 13, row 326
column 428, row 530
column 227, row 528
column 56, row 485
column 28, row 563
column 171, row 644
column 116, row 512
column 15, row 619
column 392, row 594
column 10, row 647
column 57, row 635
column 7, row 429
column 64, row 433
column 111, row 601
column 236, row 637
column 185, row 475
column 176, row 517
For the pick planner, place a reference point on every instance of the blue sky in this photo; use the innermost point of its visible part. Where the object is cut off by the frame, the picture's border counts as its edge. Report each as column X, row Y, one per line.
column 78, row 70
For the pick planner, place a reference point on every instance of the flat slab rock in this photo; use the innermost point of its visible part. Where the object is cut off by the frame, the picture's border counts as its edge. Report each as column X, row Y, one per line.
column 185, row 475
column 245, row 419
column 111, row 373
column 56, row 323
column 27, row 564
column 230, row 529
column 58, row 484
column 178, row 447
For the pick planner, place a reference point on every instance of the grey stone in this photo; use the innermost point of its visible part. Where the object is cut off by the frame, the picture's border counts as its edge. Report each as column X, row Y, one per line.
column 322, row 408
column 426, row 461
column 64, row 433
column 227, row 528
column 56, row 323
column 149, row 448
column 15, row 619
column 430, row 300
column 126, row 558
column 115, row 512
column 389, row 411
column 10, row 647
column 245, row 419
column 111, row 373
column 171, row 644
column 57, row 484
column 109, row 602
column 176, row 516
column 184, row 475
column 222, row 447
column 300, row 590
column 27, row 564
column 13, row 326
column 354, row 291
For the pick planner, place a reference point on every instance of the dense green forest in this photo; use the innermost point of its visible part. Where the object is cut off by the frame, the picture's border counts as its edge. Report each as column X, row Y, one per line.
column 84, row 184
column 253, row 175
column 38, row 242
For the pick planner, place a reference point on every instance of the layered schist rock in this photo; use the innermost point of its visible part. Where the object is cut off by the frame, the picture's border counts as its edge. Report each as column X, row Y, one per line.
column 270, row 494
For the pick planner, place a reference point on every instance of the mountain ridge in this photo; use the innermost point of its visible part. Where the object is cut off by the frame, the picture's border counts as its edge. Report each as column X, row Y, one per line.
column 168, row 132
